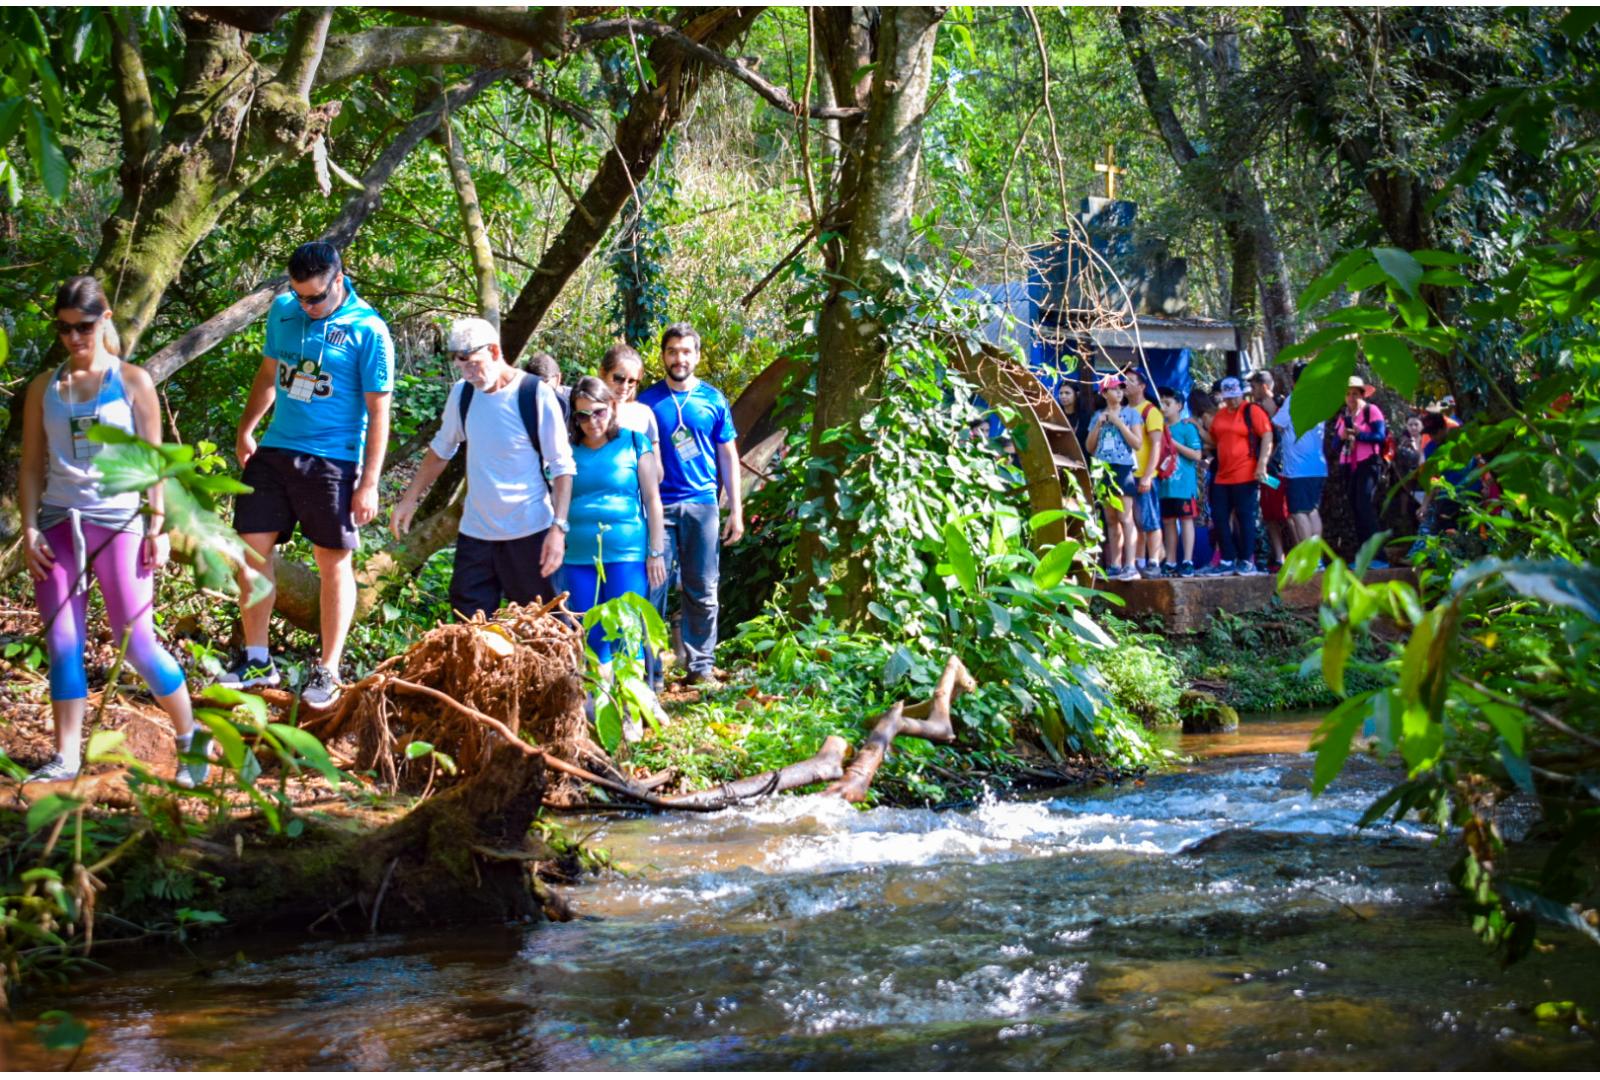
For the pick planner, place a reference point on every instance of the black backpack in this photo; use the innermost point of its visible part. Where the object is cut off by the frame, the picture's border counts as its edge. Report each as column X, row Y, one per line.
column 527, row 408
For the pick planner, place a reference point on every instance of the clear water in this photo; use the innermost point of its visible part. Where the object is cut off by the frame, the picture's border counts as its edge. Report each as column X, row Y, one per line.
column 1074, row 932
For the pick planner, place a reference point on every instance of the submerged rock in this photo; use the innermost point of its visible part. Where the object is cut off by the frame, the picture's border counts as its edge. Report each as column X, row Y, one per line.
column 1204, row 714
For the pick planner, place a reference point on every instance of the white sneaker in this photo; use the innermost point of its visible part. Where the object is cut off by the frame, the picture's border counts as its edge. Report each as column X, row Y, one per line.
column 54, row 769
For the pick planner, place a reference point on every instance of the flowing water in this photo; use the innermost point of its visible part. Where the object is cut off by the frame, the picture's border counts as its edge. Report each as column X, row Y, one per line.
column 1217, row 917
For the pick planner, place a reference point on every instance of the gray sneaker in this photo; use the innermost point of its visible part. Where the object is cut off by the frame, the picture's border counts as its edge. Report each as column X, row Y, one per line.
column 321, row 689
column 194, row 764
column 1248, row 569
column 54, row 769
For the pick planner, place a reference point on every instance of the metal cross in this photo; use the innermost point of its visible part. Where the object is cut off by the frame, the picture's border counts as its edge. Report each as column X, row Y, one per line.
column 1111, row 169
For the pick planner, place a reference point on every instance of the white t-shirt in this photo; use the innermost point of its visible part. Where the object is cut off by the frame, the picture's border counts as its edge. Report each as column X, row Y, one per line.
column 632, row 416
column 507, row 497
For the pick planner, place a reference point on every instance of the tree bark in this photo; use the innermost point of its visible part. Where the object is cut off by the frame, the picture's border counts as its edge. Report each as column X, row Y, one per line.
column 851, row 349
column 486, row 281
column 931, row 720
column 652, row 113
column 1227, row 187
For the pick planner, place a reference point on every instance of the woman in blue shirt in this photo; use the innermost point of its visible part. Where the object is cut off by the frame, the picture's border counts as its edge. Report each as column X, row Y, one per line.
column 616, row 543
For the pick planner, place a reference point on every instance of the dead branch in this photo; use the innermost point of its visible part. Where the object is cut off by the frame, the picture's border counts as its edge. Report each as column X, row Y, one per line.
column 929, row 720
column 826, row 764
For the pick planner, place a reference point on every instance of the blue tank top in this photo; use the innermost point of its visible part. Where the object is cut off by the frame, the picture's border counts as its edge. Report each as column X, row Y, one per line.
column 606, row 515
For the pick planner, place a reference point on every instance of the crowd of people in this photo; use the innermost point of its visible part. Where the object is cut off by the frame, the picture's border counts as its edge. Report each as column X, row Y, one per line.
column 596, row 490
column 1229, row 461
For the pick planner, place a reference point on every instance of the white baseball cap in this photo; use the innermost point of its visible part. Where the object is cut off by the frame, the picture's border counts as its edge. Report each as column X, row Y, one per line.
column 470, row 335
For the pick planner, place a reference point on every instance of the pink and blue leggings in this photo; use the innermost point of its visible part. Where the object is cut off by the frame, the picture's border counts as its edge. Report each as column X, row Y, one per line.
column 129, row 592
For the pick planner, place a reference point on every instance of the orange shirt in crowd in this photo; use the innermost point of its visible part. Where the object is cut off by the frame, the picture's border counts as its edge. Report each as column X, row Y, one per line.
column 1235, row 463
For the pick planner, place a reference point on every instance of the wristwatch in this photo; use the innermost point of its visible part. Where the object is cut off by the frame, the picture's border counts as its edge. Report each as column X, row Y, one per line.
column 561, row 523
column 655, row 554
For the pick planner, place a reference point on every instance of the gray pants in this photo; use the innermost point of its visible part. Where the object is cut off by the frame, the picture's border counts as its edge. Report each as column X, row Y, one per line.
column 693, row 556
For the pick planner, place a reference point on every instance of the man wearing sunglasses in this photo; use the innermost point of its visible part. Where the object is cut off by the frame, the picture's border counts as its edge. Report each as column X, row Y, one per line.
column 327, row 376
column 513, row 534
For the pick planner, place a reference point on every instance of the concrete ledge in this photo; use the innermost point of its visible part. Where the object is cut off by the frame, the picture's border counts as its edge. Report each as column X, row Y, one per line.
column 1184, row 604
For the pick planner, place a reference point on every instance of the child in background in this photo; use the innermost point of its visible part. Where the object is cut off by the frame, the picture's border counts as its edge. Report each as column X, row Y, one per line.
column 1179, row 492
column 1115, row 435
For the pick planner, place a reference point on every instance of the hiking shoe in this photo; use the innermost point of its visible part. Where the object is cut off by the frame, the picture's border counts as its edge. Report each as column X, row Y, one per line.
column 1221, row 569
column 54, row 769
column 1152, row 570
column 244, row 673
column 1128, row 573
column 1169, row 569
column 1186, row 569
column 321, row 688
column 194, row 764
column 1247, row 569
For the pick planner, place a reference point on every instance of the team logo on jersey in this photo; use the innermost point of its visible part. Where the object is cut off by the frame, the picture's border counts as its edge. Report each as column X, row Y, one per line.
column 338, row 335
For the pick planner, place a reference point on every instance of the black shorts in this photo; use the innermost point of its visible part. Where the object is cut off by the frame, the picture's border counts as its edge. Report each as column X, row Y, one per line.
column 289, row 488
column 1177, row 509
column 488, row 571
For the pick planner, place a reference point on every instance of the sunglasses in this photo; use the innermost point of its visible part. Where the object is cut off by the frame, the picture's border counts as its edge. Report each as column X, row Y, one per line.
column 69, row 329
column 313, row 301
column 467, row 357
column 593, row 414
column 622, row 380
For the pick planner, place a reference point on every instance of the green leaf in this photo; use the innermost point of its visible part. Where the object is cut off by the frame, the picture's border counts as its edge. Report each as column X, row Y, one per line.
column 1362, row 316
column 1400, row 268
column 102, row 744
column 227, row 736
column 1393, row 363
column 1335, row 652
column 48, row 160
column 193, row 915
column 1035, row 523
column 50, row 809
column 1320, row 391
column 1001, row 617
column 958, row 549
column 1578, row 22
column 894, row 669
column 1516, row 766
column 1431, row 257
column 418, row 749
column 1055, row 564
column 1335, row 276
column 125, row 465
column 254, row 706
column 60, row 1030
column 1332, row 741
column 11, row 118
column 1446, row 277
column 309, row 747
column 608, row 724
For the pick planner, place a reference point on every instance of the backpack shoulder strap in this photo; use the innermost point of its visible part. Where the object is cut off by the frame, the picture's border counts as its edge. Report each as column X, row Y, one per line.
column 463, row 403
column 528, row 408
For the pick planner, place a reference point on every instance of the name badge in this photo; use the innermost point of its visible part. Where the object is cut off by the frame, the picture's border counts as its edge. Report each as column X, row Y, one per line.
column 684, row 443
column 304, row 381
column 82, row 448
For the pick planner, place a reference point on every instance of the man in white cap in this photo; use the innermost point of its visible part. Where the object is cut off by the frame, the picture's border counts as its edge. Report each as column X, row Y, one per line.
column 519, row 476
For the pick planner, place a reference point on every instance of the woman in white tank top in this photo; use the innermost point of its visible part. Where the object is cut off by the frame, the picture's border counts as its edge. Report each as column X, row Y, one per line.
column 72, row 529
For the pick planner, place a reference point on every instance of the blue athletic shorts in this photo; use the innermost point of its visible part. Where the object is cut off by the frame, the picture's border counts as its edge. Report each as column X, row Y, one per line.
column 1305, row 493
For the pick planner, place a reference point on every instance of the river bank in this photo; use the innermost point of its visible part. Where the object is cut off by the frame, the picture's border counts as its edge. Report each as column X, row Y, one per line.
column 1214, row 916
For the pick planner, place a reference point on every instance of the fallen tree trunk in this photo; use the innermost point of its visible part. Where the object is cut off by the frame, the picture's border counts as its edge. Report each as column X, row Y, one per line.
column 929, row 720
column 825, row 764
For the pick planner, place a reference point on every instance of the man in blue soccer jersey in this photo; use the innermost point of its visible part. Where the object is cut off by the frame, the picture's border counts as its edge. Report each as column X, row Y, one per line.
column 697, row 449
column 327, row 376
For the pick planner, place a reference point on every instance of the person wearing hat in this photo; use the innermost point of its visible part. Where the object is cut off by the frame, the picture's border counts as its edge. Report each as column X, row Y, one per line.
column 327, row 376
column 1119, row 449
column 513, row 522
column 1242, row 432
column 1361, row 431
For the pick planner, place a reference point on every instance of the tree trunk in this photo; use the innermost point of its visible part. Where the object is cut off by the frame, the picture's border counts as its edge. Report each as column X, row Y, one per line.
column 652, row 113
column 485, row 280
column 851, row 349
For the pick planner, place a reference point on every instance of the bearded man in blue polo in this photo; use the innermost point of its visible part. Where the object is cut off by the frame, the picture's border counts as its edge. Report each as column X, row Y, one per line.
column 327, row 376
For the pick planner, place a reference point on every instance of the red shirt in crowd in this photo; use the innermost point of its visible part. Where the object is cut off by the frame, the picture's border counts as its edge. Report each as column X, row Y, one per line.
column 1235, row 463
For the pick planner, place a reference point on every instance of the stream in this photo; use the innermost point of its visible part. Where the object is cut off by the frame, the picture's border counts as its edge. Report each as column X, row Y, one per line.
column 1211, row 917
